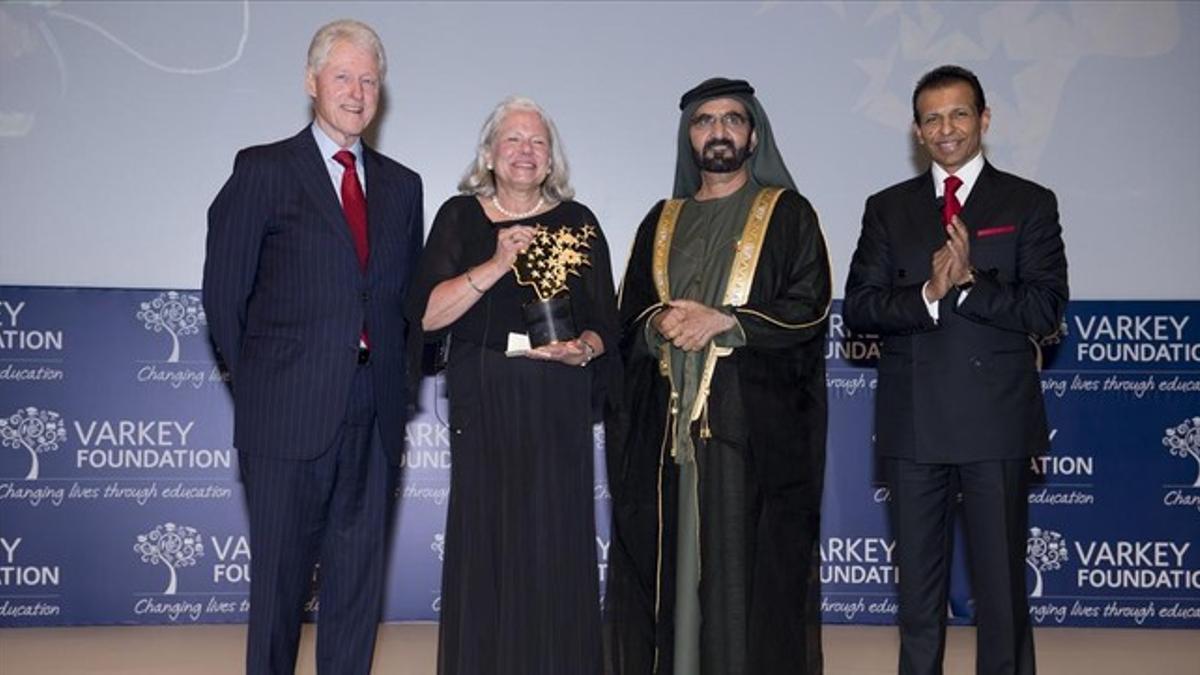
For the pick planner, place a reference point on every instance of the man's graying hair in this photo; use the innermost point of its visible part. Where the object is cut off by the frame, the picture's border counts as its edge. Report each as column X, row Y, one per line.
column 345, row 30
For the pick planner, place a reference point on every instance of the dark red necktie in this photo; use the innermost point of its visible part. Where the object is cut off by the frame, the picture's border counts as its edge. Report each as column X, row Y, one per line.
column 950, row 206
column 354, row 205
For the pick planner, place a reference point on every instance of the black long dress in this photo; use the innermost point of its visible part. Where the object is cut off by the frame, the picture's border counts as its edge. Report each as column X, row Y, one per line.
column 520, row 593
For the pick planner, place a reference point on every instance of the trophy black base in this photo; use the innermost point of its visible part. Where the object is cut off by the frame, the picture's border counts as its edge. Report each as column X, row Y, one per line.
column 549, row 321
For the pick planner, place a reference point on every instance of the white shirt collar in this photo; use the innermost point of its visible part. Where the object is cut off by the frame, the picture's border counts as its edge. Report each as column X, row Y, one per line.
column 968, row 173
column 328, row 148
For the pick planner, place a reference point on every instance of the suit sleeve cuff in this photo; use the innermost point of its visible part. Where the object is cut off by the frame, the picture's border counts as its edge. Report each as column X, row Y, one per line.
column 653, row 338
column 931, row 307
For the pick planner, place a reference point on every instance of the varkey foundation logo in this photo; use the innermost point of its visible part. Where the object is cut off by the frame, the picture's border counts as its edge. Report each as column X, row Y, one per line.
column 33, row 431
column 1125, row 565
column 1118, row 581
column 177, row 314
column 1115, row 565
column 1045, row 551
column 173, row 546
column 1115, row 580
column 1135, row 338
column 143, row 444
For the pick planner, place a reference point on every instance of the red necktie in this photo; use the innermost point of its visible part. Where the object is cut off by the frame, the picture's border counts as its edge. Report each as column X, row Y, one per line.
column 950, row 206
column 354, row 205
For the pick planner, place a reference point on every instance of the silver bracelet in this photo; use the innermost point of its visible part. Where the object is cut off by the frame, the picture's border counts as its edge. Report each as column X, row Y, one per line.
column 591, row 353
column 471, row 283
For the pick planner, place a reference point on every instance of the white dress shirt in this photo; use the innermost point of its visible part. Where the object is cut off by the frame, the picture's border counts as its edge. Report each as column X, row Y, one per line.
column 328, row 149
column 968, row 173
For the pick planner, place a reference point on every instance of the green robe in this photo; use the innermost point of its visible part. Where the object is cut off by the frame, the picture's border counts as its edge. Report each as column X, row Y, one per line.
column 731, row 536
column 706, row 235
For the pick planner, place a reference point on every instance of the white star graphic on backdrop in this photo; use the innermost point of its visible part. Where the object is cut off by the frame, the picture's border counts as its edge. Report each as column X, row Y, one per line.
column 1037, row 46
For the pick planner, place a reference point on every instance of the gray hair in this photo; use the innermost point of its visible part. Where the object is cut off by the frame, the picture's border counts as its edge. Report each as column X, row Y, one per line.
column 345, row 30
column 478, row 179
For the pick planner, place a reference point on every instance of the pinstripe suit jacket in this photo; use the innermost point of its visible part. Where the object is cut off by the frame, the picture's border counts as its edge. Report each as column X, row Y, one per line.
column 286, row 300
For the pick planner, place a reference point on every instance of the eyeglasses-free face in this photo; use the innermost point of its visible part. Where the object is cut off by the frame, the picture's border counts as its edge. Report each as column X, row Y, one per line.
column 730, row 120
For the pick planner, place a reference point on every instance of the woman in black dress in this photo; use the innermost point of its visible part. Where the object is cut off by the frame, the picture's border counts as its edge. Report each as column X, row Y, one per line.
column 520, row 593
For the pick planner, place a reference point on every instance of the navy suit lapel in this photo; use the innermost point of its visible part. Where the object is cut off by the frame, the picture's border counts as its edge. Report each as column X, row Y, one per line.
column 981, row 202
column 378, row 213
column 306, row 158
column 923, row 213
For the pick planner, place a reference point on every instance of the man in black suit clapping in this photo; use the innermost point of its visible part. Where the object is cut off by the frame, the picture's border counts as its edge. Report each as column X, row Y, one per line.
column 959, row 270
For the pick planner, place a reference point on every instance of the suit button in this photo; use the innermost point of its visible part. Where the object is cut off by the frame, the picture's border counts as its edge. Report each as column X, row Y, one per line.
column 363, row 296
column 976, row 362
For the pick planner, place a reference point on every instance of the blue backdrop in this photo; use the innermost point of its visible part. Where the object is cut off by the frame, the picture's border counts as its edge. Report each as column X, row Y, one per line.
column 120, row 504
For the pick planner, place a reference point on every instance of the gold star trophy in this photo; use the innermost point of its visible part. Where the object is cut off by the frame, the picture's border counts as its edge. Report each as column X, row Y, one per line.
column 552, row 256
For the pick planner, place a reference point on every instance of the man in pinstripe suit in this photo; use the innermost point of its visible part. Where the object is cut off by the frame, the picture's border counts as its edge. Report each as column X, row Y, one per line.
column 311, row 243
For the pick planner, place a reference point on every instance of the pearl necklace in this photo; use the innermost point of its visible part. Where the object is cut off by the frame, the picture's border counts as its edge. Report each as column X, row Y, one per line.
column 517, row 216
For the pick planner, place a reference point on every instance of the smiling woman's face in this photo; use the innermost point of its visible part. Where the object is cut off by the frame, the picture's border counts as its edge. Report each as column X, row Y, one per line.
column 520, row 152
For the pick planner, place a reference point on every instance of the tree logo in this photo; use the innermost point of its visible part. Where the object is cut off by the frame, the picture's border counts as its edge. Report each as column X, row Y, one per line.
column 1183, row 440
column 439, row 546
column 1045, row 551
column 172, row 545
column 176, row 313
column 37, row 431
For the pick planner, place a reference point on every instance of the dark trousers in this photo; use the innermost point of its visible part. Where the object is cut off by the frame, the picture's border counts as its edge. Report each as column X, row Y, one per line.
column 995, row 507
column 332, row 510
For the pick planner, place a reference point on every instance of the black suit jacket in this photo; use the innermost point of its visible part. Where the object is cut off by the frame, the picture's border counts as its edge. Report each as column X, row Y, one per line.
column 965, row 388
column 285, row 298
